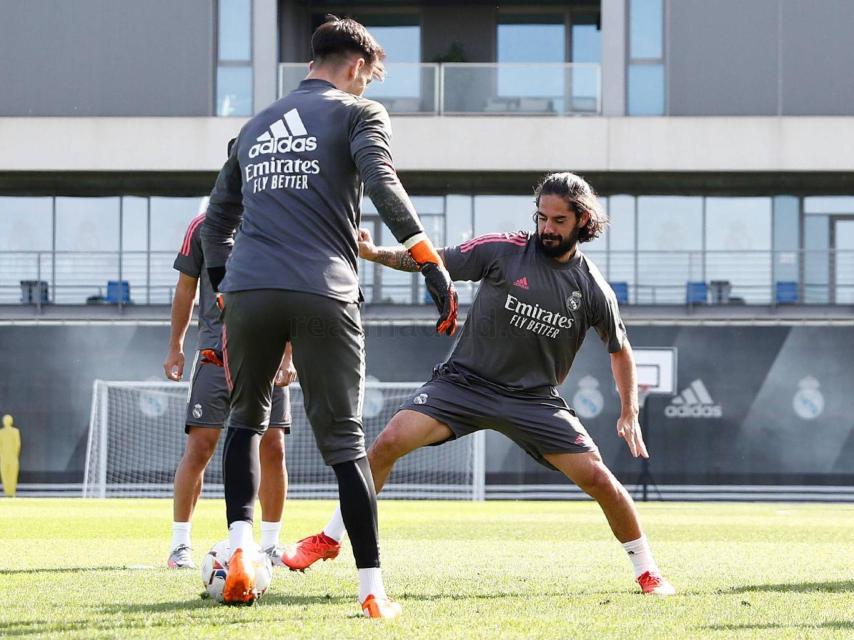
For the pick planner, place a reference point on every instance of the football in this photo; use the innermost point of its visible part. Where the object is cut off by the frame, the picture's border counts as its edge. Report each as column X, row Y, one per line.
column 215, row 571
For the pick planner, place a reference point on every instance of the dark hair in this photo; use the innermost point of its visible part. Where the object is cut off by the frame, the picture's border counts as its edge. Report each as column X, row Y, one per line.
column 338, row 37
column 579, row 197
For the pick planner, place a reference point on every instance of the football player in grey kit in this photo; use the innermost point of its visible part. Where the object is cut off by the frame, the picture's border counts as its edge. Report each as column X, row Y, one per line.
column 538, row 297
column 207, row 406
column 293, row 185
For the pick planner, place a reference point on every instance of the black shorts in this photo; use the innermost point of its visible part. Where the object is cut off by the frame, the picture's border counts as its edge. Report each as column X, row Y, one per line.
column 329, row 356
column 539, row 424
column 207, row 400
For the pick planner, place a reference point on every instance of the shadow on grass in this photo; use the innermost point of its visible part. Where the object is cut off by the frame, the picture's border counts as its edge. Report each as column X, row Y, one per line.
column 840, row 586
column 833, row 624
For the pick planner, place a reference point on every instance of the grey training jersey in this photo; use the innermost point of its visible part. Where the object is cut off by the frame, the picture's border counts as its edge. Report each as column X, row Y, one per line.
column 292, row 185
column 530, row 314
column 191, row 261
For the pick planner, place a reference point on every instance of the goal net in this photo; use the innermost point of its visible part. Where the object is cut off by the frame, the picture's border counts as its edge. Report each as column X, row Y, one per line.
column 136, row 439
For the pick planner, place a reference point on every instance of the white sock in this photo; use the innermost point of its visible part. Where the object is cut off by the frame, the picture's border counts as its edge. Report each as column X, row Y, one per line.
column 336, row 529
column 240, row 536
column 270, row 534
column 641, row 556
column 371, row 583
column 181, row 533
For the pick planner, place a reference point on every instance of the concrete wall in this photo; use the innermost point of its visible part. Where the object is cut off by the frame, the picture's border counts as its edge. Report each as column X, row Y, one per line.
column 464, row 144
column 763, row 57
column 106, row 58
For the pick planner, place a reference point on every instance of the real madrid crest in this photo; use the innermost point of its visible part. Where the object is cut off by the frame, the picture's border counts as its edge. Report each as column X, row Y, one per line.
column 573, row 301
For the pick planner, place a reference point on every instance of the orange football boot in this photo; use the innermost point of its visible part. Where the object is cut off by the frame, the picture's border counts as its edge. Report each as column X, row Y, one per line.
column 385, row 608
column 307, row 551
column 239, row 585
column 653, row 584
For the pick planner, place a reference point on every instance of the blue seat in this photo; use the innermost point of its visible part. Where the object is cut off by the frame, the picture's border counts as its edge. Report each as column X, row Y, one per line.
column 118, row 291
column 696, row 293
column 621, row 290
column 787, row 292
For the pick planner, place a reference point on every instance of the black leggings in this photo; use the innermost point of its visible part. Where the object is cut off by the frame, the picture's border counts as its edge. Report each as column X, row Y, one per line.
column 358, row 500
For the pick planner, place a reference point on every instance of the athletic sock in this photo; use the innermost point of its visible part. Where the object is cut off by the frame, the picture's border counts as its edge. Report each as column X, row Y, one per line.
column 181, row 533
column 335, row 528
column 270, row 534
column 358, row 502
column 371, row 583
column 240, row 536
column 641, row 556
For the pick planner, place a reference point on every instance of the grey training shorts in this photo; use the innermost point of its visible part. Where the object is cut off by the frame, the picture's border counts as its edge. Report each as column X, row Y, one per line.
column 539, row 424
column 329, row 355
column 208, row 398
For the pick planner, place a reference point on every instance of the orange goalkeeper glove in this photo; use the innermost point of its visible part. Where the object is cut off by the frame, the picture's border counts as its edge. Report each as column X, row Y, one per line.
column 438, row 281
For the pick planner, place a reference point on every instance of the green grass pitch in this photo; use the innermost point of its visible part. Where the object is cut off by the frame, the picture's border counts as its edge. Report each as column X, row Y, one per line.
column 95, row 569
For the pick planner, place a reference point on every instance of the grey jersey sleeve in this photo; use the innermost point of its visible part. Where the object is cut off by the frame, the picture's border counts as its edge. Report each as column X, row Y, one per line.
column 225, row 211
column 190, row 259
column 606, row 318
column 474, row 259
column 370, row 146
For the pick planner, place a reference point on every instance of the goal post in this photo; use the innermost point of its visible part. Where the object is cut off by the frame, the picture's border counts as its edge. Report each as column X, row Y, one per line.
column 136, row 440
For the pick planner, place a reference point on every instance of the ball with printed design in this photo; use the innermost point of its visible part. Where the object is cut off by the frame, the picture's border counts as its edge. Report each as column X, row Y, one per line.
column 215, row 570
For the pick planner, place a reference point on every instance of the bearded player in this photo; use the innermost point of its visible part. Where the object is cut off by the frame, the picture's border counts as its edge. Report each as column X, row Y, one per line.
column 538, row 297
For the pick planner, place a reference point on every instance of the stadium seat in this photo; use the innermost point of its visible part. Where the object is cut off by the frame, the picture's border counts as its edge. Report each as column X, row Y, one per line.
column 621, row 290
column 118, row 291
column 786, row 292
column 696, row 293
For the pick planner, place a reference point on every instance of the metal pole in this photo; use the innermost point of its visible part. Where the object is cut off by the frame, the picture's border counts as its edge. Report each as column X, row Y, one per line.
column 478, row 467
column 121, row 256
column 102, row 445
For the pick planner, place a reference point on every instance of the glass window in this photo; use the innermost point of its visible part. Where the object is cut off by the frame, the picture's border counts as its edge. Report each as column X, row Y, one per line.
column 621, row 240
column 786, row 239
column 645, row 29
column 25, row 224
column 738, row 240
column 646, row 89
column 493, row 214
column 87, row 243
column 135, row 246
column 586, row 39
column 169, row 220
column 234, row 91
column 87, row 224
column 816, row 263
column 586, row 56
column 532, row 39
column 670, row 240
column 458, row 219
column 829, row 204
column 235, row 30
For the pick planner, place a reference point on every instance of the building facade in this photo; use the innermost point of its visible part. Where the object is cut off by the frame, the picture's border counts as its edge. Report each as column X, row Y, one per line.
column 718, row 134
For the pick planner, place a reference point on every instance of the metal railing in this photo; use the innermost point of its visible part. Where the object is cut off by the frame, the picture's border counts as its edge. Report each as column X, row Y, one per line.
column 642, row 277
column 456, row 89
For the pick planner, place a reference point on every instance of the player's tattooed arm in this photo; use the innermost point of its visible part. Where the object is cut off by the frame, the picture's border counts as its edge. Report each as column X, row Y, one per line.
column 393, row 257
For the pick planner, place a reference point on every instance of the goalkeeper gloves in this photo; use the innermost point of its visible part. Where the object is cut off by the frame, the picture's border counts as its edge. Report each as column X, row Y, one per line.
column 438, row 281
column 212, row 356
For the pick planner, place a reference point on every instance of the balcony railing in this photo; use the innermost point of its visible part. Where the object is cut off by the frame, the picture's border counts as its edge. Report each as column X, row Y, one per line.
column 457, row 89
column 642, row 278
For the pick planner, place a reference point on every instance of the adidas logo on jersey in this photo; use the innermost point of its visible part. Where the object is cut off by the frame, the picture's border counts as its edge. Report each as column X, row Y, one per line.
column 522, row 283
column 286, row 134
column 693, row 402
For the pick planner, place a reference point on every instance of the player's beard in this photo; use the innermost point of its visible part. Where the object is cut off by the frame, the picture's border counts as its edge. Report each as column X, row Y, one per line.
column 558, row 245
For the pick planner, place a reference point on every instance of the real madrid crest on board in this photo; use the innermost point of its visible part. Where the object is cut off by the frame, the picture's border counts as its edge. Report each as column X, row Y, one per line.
column 588, row 401
column 808, row 402
column 573, row 301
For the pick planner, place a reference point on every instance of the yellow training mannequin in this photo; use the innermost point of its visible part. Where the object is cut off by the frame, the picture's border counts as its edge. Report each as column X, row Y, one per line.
column 10, row 449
